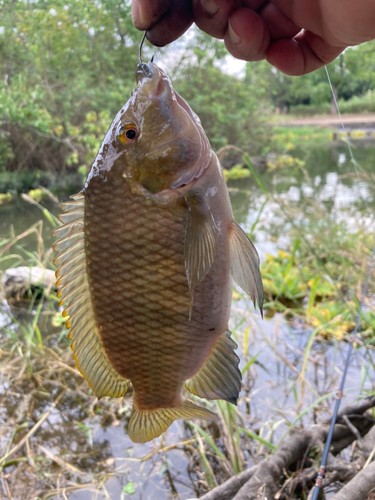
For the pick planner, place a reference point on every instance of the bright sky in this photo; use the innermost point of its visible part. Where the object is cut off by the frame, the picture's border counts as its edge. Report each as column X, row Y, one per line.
column 176, row 49
column 234, row 66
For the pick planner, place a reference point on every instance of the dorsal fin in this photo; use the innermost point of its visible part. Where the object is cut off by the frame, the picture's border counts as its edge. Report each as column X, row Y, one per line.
column 73, row 289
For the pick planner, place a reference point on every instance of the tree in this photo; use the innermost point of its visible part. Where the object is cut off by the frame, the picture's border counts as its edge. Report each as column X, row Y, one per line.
column 351, row 74
column 65, row 68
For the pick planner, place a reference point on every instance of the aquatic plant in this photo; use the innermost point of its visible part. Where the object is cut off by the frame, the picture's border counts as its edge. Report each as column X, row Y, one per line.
column 236, row 172
column 282, row 277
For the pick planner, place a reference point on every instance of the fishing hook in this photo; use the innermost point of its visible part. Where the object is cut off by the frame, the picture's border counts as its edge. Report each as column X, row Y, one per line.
column 140, row 47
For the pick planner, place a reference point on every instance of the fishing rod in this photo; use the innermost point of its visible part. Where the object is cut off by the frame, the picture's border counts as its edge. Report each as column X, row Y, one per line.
column 321, row 473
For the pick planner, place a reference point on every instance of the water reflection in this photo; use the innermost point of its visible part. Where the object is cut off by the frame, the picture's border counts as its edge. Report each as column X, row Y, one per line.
column 328, row 179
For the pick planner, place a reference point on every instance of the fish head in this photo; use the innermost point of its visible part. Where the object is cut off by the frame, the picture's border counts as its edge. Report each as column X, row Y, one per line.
column 156, row 141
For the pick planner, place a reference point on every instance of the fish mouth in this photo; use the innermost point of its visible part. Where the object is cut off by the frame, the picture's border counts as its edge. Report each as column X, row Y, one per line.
column 145, row 70
column 158, row 88
column 153, row 80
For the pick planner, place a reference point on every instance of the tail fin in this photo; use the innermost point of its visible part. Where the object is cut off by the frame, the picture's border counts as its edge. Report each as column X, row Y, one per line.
column 145, row 425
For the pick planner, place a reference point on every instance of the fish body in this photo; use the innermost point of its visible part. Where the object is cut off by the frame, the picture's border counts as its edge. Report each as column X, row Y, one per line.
column 147, row 254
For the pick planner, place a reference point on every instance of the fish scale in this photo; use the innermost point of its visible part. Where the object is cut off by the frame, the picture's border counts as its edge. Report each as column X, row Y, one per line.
column 138, row 309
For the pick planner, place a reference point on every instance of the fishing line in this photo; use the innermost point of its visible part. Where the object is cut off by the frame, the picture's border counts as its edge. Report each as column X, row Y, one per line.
column 341, row 120
column 321, row 473
column 345, row 134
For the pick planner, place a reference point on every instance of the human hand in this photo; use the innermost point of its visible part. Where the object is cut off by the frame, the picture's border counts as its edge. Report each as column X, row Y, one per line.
column 256, row 29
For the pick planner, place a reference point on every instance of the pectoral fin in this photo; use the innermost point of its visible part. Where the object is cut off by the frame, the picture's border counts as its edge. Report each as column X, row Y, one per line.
column 73, row 289
column 145, row 425
column 200, row 243
column 219, row 378
column 245, row 265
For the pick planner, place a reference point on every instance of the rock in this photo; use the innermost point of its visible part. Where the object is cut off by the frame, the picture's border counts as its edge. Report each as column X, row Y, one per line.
column 17, row 281
column 29, row 276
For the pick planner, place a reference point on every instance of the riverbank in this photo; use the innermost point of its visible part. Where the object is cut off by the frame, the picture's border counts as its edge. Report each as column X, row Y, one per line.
column 351, row 120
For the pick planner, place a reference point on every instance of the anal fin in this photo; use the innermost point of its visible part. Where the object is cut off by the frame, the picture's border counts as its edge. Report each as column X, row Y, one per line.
column 245, row 265
column 220, row 377
column 145, row 425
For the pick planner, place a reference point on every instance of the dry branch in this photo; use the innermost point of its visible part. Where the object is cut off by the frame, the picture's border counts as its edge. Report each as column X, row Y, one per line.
column 32, row 430
column 360, row 486
column 264, row 479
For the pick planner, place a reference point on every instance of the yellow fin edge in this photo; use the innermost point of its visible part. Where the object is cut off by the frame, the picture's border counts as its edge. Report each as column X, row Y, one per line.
column 145, row 425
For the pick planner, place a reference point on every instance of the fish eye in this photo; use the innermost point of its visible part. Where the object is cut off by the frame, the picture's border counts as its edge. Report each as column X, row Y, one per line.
column 127, row 133
column 130, row 134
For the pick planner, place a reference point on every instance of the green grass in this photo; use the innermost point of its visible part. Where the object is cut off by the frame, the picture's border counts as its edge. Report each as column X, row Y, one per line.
column 316, row 280
column 286, row 138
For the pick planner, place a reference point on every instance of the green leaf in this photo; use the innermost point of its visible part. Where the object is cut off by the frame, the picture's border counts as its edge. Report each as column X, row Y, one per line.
column 129, row 488
column 208, row 439
column 258, row 438
column 256, row 176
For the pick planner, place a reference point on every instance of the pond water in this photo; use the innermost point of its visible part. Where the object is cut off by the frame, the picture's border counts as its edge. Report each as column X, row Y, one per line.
column 328, row 178
column 274, row 392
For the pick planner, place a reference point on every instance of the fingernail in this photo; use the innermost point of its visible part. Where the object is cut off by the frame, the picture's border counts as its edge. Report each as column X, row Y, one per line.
column 209, row 6
column 234, row 37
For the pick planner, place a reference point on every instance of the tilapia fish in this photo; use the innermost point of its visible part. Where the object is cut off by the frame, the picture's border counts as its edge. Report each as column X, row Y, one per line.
column 147, row 253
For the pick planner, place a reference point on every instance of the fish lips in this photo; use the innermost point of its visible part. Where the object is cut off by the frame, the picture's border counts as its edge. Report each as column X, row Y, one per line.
column 153, row 81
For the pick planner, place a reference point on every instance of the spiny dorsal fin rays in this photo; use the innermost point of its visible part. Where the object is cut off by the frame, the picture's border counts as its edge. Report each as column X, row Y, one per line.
column 245, row 265
column 201, row 243
column 72, row 225
column 71, row 215
column 67, row 230
column 70, row 278
column 68, row 241
column 73, row 289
